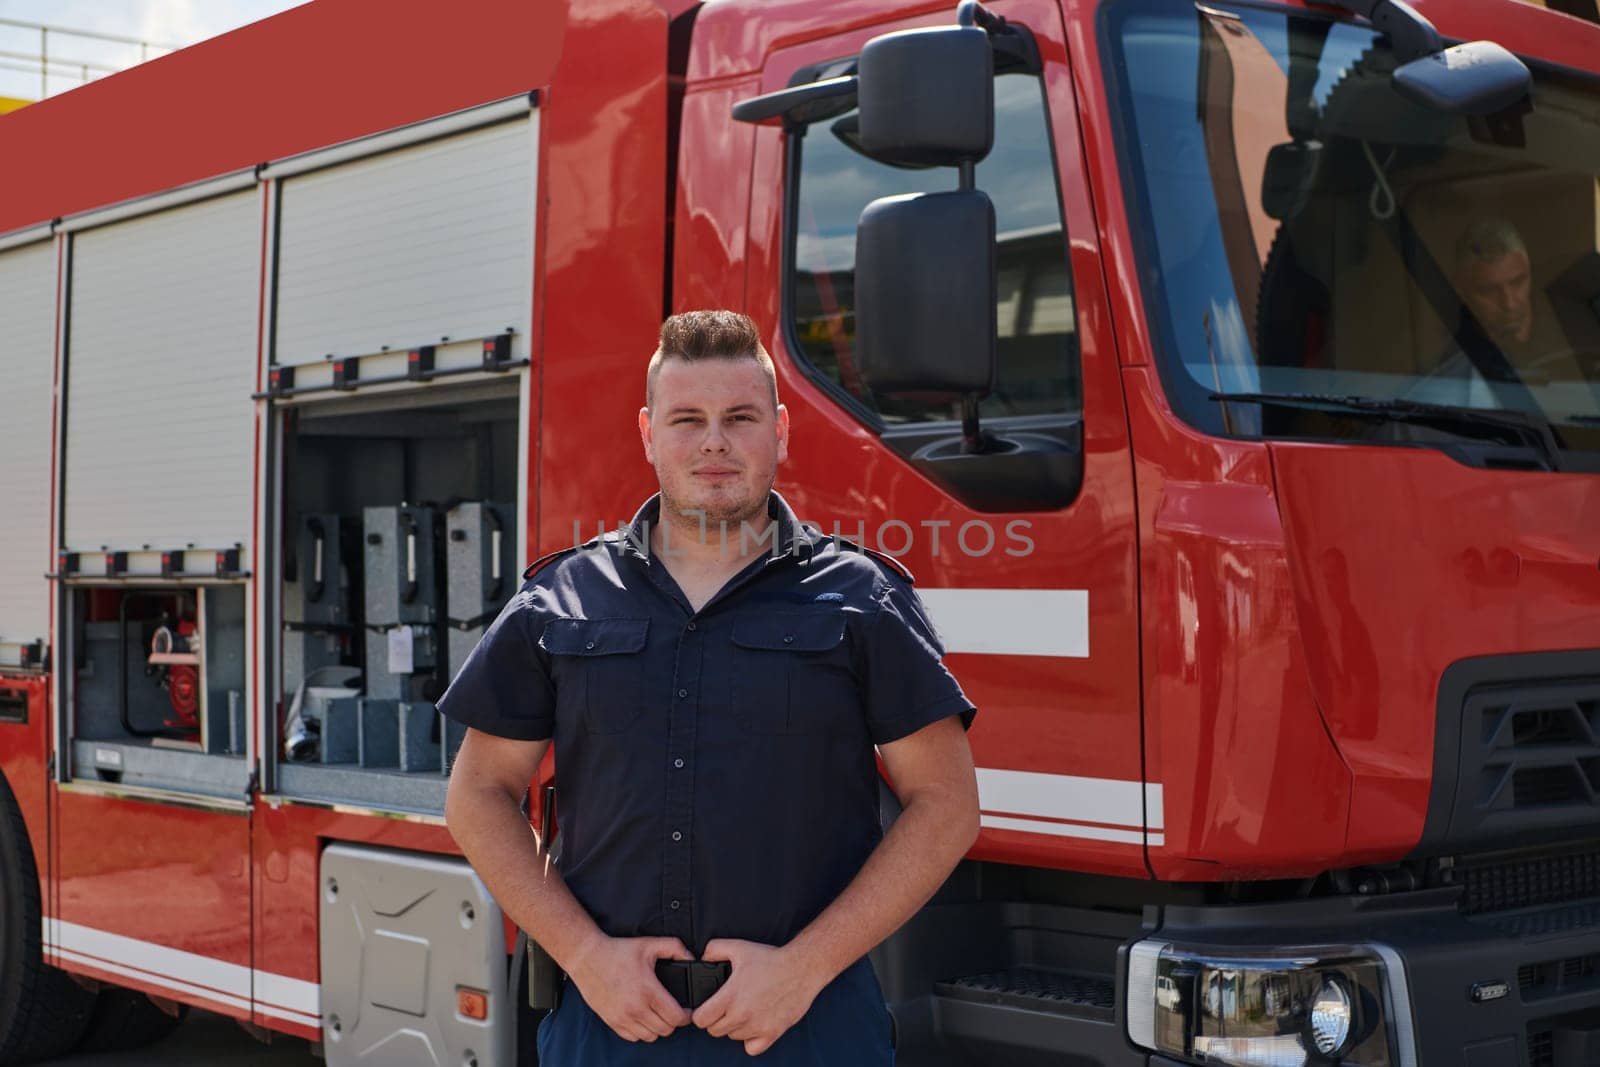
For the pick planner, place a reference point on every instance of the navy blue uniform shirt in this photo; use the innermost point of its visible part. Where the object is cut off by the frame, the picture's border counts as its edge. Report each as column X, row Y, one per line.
column 714, row 769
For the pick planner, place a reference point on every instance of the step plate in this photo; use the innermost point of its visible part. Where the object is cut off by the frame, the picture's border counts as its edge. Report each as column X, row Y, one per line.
column 1060, row 992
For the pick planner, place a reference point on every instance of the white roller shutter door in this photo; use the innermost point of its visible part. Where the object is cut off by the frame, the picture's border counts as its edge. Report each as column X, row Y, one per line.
column 405, row 248
column 27, row 365
column 161, row 362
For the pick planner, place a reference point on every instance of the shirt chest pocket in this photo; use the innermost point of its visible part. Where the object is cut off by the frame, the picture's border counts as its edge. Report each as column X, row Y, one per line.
column 792, row 674
column 599, row 670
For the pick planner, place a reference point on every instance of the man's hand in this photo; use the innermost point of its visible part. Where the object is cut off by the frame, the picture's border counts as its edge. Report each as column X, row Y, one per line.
column 617, row 977
column 764, row 996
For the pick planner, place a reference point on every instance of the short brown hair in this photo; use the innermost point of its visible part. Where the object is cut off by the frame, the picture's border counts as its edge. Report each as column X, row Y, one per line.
column 696, row 335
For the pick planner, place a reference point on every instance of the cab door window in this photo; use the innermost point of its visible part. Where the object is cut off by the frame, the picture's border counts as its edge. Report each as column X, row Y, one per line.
column 1037, row 323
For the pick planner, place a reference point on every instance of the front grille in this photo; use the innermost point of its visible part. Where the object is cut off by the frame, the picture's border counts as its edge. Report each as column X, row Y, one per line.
column 1506, row 884
column 1575, row 974
column 1518, row 754
column 1541, row 1048
column 1540, row 746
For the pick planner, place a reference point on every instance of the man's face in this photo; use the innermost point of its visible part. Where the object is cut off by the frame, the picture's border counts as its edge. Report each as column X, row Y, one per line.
column 1499, row 292
column 715, row 439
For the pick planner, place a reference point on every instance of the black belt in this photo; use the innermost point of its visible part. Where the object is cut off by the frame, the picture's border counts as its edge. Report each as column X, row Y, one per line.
column 692, row 982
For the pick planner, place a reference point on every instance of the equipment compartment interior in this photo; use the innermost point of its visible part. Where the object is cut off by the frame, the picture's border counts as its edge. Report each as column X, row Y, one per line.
column 158, row 686
column 397, row 548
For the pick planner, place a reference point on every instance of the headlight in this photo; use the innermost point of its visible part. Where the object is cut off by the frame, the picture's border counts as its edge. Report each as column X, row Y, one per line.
column 1331, row 1015
column 1295, row 1009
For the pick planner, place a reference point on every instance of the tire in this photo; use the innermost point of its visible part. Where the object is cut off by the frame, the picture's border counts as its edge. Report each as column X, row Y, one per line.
column 124, row 1019
column 43, row 1012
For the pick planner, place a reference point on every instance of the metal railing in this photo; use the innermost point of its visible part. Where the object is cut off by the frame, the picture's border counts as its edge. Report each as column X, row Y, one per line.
column 59, row 66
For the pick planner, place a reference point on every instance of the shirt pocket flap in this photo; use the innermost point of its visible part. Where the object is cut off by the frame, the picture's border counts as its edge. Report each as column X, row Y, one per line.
column 789, row 633
column 593, row 637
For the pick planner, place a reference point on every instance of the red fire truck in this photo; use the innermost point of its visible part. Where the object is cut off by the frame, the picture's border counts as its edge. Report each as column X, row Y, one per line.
column 1228, row 374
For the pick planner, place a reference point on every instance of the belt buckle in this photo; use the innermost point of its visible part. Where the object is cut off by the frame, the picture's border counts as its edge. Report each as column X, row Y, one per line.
column 706, row 978
column 692, row 982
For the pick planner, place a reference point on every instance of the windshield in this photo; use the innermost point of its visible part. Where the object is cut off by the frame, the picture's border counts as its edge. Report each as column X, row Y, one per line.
column 1307, row 232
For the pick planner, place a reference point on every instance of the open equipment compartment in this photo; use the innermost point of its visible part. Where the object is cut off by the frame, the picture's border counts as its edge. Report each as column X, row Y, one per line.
column 158, row 340
column 158, row 685
column 398, row 547
column 400, row 312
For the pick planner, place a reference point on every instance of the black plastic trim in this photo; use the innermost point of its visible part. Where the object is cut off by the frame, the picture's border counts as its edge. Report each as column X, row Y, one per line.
column 1030, row 463
column 14, row 705
column 1457, row 681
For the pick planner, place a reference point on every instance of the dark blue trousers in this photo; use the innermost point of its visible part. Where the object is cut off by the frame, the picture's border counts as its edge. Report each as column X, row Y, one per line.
column 848, row 1024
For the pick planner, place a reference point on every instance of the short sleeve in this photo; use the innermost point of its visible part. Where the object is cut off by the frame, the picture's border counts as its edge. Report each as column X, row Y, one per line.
column 907, row 683
column 504, row 686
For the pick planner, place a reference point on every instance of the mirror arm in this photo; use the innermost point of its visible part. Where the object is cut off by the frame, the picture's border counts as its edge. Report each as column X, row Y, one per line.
column 783, row 101
column 971, row 435
column 972, row 13
column 1412, row 35
column 1010, row 42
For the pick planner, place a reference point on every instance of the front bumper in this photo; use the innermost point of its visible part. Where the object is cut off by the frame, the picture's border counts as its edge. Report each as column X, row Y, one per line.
column 1508, row 989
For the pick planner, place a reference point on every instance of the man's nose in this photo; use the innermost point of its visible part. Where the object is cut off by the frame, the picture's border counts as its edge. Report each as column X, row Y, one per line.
column 714, row 440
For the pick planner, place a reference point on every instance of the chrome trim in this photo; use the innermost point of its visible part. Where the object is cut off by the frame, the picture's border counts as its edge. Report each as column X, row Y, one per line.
column 119, row 791
column 457, row 122
column 1142, row 960
column 145, row 205
column 1397, row 991
column 26, row 236
column 340, row 807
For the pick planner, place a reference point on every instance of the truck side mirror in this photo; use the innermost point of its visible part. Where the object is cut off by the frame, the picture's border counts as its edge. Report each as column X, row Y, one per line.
column 926, row 97
column 925, row 264
column 925, row 294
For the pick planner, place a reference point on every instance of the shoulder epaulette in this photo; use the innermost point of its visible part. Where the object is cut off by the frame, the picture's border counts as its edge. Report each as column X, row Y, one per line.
column 883, row 558
column 544, row 561
column 889, row 561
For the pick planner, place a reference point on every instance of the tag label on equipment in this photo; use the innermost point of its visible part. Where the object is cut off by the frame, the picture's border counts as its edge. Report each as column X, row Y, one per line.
column 400, row 650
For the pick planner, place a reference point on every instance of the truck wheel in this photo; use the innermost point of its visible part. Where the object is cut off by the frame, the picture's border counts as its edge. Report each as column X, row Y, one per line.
column 124, row 1019
column 43, row 1012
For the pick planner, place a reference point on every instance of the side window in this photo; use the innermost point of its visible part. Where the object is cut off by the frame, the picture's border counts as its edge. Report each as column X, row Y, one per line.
column 1038, row 337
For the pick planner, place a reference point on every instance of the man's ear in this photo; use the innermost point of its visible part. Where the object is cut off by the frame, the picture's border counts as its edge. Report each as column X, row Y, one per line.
column 644, row 436
column 783, row 433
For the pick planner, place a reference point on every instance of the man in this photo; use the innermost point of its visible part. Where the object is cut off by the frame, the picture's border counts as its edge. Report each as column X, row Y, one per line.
column 1495, row 279
column 715, row 679
column 1518, row 343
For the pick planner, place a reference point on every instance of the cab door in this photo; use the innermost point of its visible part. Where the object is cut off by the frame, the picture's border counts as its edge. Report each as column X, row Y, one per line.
column 1032, row 589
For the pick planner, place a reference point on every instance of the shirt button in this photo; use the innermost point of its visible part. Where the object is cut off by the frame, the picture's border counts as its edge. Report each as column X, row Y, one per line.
column 788, row 639
column 589, row 645
column 682, row 693
column 691, row 626
column 676, row 836
column 678, row 763
column 675, row 905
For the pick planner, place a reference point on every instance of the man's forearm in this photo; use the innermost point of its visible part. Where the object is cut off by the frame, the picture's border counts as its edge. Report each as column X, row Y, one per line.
column 914, row 858
column 497, row 840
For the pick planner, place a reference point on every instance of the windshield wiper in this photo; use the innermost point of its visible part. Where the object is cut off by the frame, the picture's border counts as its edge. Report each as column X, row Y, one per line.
column 1524, row 428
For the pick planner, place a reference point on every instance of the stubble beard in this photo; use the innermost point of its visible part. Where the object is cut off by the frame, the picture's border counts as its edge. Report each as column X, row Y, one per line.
column 710, row 522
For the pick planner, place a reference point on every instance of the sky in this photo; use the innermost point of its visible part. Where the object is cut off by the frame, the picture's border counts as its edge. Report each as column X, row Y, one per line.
column 171, row 22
